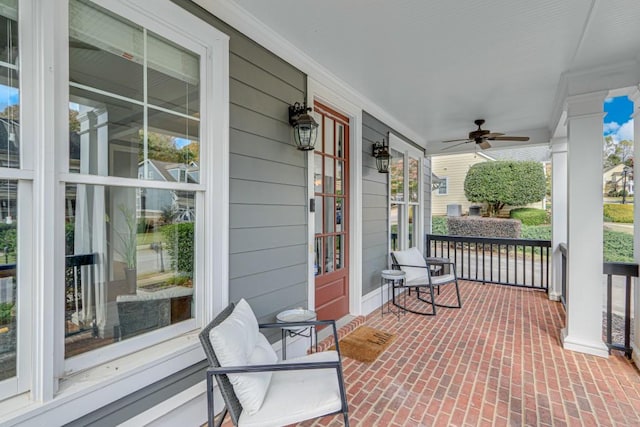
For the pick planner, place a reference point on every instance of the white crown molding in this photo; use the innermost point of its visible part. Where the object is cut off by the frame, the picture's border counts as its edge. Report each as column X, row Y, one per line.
column 613, row 78
column 243, row 21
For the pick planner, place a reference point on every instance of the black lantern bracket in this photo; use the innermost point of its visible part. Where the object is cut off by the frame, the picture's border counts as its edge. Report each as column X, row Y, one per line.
column 380, row 150
column 305, row 128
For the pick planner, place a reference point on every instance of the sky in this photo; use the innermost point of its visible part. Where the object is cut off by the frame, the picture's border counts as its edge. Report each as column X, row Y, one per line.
column 617, row 120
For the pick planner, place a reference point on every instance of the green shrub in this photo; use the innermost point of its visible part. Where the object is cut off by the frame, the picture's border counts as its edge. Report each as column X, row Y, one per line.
column 618, row 246
column 530, row 216
column 503, row 183
column 483, row 227
column 439, row 225
column 179, row 241
column 6, row 313
column 614, row 212
column 536, row 232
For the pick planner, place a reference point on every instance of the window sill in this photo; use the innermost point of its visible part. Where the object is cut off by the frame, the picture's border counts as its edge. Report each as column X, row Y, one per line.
column 88, row 390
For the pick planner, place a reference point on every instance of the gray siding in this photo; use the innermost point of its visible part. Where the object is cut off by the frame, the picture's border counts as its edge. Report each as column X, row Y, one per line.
column 375, row 210
column 268, row 220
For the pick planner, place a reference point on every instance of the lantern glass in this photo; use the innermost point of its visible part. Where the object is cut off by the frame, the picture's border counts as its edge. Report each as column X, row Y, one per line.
column 305, row 132
column 382, row 163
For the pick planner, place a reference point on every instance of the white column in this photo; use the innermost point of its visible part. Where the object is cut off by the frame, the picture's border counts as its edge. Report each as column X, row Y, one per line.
column 583, row 332
column 558, row 212
column 635, row 97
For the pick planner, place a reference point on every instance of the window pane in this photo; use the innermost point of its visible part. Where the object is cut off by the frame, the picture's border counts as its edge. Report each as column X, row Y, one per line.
column 339, row 252
column 339, row 176
column 328, row 254
column 317, row 180
column 8, row 280
column 396, row 172
column 328, row 136
column 339, row 140
column 9, row 87
column 117, row 126
column 329, row 214
column 393, row 219
column 414, row 186
column 318, row 257
column 318, row 214
column 339, row 214
column 329, row 180
column 129, row 264
column 413, row 229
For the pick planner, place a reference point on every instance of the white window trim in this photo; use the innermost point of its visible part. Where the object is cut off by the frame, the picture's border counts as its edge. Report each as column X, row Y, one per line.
column 409, row 150
column 437, row 192
column 53, row 396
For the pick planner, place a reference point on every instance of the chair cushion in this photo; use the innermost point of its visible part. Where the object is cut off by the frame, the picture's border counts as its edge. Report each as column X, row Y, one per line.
column 237, row 342
column 316, row 392
column 412, row 257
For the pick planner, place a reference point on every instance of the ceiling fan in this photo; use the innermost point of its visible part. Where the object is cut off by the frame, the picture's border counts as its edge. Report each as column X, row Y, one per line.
column 483, row 136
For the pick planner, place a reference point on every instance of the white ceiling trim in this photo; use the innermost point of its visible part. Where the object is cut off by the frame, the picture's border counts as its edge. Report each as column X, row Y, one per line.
column 248, row 24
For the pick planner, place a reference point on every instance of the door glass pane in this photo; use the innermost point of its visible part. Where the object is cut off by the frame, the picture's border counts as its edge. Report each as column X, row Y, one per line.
column 414, row 187
column 114, row 129
column 9, row 86
column 393, row 222
column 318, row 214
column 329, row 178
column 396, row 175
column 320, row 138
column 329, row 255
column 8, row 278
column 317, row 174
column 317, row 268
column 339, row 251
column 329, row 214
column 339, row 140
column 328, row 136
column 129, row 263
column 339, row 176
column 339, row 211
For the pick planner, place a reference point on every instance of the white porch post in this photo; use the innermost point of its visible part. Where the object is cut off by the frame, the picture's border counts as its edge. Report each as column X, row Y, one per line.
column 584, row 302
column 559, row 212
column 635, row 345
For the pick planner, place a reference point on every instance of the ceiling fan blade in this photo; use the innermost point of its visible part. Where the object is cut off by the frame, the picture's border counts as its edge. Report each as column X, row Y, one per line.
column 452, row 146
column 484, row 144
column 510, row 138
column 456, row 140
column 493, row 135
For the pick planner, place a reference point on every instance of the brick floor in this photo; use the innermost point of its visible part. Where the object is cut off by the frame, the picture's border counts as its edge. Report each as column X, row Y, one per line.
column 497, row 361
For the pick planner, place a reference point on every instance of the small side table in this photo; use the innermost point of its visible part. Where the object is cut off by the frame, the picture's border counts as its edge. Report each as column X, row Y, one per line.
column 394, row 279
column 297, row 315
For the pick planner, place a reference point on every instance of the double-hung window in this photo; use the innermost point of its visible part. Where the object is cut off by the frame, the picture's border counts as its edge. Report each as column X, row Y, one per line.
column 405, row 195
column 113, row 189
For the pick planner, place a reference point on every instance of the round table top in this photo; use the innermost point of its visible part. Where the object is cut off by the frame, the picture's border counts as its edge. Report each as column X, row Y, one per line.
column 296, row 315
column 393, row 274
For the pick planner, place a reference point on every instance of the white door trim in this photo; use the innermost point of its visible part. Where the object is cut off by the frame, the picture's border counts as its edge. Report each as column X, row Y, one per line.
column 318, row 92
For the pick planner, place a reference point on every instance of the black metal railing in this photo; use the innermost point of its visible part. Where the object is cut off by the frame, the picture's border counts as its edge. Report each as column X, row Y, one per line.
column 75, row 277
column 627, row 270
column 512, row 262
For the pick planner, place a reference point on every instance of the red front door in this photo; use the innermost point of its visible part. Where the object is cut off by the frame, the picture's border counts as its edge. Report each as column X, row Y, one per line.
column 331, row 188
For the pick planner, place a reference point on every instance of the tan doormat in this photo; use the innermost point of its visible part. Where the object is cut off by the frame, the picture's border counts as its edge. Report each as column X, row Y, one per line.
column 365, row 344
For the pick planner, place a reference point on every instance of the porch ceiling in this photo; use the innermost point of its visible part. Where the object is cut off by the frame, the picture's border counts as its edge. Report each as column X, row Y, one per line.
column 436, row 66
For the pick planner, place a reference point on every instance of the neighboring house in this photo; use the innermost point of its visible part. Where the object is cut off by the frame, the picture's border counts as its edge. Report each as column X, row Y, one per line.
column 152, row 203
column 617, row 178
column 452, row 170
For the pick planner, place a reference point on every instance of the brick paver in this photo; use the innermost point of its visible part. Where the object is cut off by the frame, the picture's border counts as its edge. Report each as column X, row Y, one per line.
column 497, row 361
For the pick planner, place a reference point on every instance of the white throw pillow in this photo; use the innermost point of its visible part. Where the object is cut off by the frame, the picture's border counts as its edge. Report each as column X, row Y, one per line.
column 237, row 342
column 412, row 257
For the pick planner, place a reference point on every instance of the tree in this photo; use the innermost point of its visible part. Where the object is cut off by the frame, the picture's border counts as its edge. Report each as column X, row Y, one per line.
column 505, row 183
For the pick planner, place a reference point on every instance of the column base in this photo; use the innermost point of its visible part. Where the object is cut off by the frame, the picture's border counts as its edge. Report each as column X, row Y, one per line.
column 554, row 296
column 595, row 348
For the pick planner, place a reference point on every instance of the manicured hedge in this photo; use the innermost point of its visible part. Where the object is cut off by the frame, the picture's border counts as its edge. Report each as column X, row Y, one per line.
column 439, row 225
column 618, row 246
column 530, row 216
column 179, row 243
column 484, row 227
column 618, row 213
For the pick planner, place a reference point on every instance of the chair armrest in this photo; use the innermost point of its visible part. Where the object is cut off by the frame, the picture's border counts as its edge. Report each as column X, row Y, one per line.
column 412, row 266
column 334, row 364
